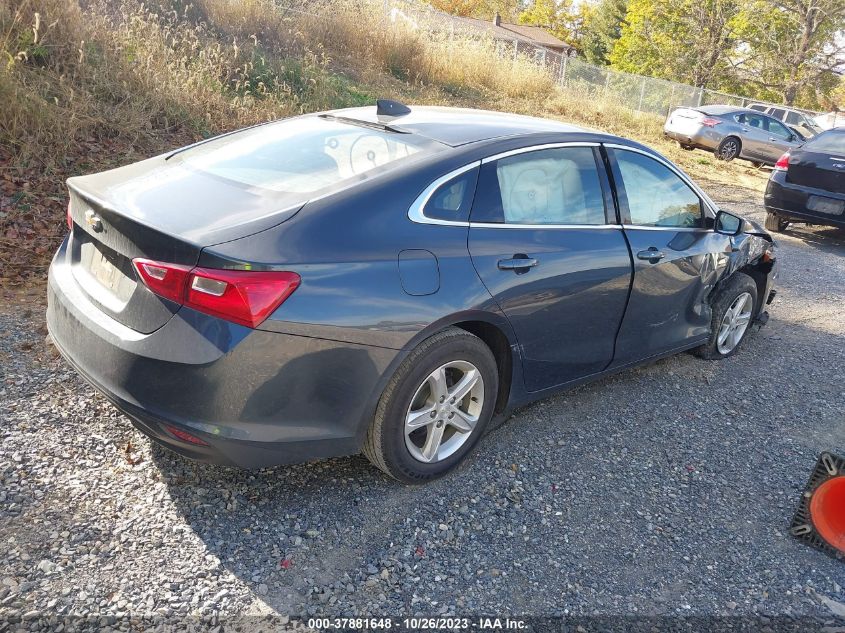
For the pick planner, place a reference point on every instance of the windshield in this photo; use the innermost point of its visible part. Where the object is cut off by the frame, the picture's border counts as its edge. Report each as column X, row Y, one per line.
column 304, row 155
column 830, row 141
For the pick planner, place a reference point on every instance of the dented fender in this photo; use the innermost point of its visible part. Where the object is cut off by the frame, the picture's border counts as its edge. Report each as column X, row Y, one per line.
column 753, row 251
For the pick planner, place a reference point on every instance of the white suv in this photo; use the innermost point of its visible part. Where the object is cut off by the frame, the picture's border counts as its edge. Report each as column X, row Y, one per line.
column 795, row 119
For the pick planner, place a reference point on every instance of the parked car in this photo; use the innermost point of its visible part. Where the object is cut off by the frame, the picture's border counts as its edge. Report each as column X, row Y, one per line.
column 808, row 184
column 388, row 280
column 731, row 132
column 798, row 121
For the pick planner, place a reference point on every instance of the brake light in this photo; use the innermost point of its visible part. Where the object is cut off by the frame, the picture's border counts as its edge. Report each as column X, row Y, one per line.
column 709, row 121
column 783, row 163
column 241, row 296
column 69, row 217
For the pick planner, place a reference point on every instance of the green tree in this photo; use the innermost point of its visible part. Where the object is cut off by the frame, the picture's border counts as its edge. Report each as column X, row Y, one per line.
column 555, row 16
column 683, row 40
column 602, row 27
column 792, row 48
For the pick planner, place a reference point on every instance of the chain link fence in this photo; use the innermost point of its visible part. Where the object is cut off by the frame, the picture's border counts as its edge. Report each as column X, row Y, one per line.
column 640, row 93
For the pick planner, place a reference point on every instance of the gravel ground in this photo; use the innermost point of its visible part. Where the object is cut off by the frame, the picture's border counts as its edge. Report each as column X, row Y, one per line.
column 666, row 490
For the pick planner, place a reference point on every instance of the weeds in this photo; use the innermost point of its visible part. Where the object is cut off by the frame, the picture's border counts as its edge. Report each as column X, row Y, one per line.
column 85, row 89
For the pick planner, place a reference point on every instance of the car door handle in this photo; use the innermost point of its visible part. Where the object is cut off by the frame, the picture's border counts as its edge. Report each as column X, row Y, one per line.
column 519, row 263
column 652, row 254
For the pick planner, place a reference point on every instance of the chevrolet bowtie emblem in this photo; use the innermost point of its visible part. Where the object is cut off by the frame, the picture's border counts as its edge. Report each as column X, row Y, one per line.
column 93, row 220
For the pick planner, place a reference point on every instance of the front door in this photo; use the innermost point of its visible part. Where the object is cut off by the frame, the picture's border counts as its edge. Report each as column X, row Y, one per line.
column 781, row 139
column 545, row 242
column 677, row 258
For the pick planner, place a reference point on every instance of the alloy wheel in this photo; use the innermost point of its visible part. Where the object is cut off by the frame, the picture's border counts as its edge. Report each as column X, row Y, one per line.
column 444, row 411
column 734, row 323
column 729, row 150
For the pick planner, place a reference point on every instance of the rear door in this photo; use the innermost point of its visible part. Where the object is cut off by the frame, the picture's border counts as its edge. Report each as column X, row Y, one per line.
column 754, row 134
column 545, row 241
column 676, row 256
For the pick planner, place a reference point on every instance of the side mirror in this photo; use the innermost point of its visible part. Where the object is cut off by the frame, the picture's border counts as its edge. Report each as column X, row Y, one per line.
column 727, row 223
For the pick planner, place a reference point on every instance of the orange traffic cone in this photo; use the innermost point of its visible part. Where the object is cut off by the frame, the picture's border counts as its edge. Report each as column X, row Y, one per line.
column 820, row 519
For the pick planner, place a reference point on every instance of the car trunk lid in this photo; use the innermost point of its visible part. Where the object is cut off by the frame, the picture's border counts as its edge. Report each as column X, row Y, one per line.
column 167, row 215
column 819, row 170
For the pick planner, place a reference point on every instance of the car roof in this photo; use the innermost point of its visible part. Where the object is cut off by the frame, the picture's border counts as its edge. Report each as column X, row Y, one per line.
column 458, row 126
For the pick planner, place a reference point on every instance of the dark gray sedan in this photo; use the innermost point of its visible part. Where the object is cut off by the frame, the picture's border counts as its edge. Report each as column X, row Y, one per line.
column 730, row 132
column 388, row 280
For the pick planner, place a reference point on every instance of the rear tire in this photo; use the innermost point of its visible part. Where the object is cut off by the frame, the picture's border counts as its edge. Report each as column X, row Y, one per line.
column 775, row 223
column 418, row 432
column 728, row 331
column 729, row 148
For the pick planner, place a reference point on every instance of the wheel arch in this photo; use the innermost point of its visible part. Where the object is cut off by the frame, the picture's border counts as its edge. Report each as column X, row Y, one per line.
column 498, row 342
column 492, row 328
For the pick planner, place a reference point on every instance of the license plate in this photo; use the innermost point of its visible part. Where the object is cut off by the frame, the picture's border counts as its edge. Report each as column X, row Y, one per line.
column 104, row 271
column 826, row 205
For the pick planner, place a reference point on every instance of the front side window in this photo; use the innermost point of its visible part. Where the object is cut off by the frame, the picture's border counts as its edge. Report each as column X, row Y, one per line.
column 656, row 195
column 779, row 129
column 552, row 186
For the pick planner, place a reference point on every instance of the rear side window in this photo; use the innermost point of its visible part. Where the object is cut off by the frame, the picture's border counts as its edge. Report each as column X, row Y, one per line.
column 777, row 113
column 755, row 121
column 305, row 154
column 655, row 194
column 452, row 200
column 793, row 118
column 552, row 186
column 832, row 142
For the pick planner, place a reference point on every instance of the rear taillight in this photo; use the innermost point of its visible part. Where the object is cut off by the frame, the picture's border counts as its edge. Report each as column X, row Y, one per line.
column 783, row 163
column 166, row 280
column 709, row 121
column 242, row 296
column 69, row 217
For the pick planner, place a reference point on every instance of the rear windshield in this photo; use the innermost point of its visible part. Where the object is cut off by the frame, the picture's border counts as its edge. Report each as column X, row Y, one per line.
column 304, row 155
column 833, row 142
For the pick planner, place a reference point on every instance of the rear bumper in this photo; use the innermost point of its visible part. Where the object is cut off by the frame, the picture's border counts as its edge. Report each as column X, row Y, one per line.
column 706, row 139
column 257, row 398
column 790, row 201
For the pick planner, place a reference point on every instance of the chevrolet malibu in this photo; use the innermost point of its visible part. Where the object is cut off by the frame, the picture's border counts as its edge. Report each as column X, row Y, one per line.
column 388, row 280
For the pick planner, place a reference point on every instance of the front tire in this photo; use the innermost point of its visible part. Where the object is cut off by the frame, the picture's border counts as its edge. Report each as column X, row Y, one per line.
column 435, row 408
column 729, row 148
column 733, row 311
column 775, row 223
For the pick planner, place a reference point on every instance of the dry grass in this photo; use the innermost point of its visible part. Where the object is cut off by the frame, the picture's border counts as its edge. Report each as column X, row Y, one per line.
column 85, row 89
